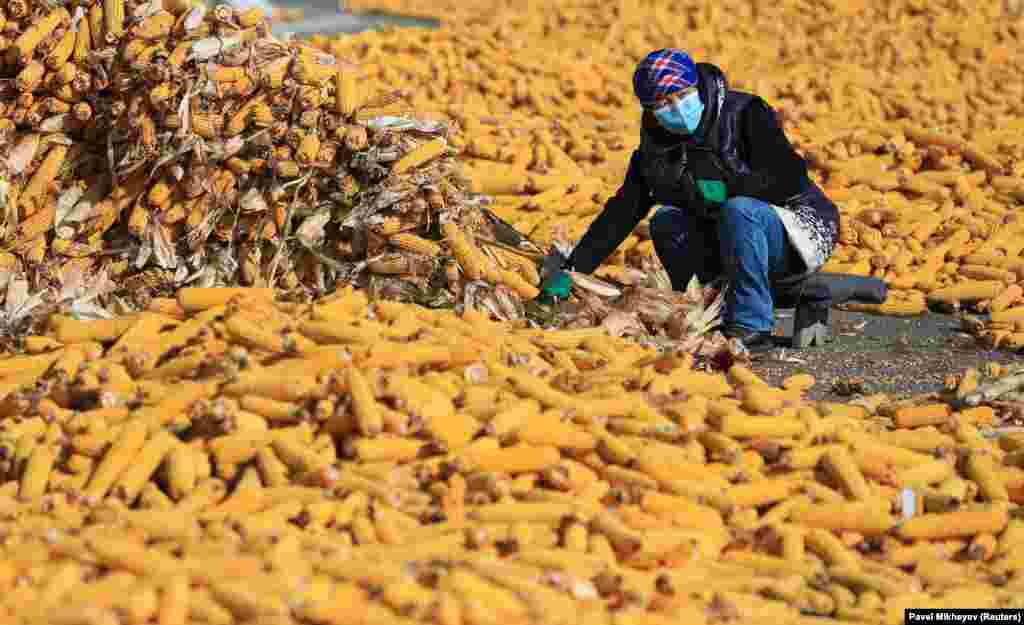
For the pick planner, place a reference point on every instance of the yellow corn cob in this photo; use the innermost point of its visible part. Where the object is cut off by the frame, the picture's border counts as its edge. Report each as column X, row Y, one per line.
column 411, row 242
column 420, row 155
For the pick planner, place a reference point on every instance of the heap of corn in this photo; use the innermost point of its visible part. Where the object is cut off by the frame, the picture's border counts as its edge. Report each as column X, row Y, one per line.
column 228, row 458
column 197, row 149
column 917, row 136
column 178, row 138
column 173, row 144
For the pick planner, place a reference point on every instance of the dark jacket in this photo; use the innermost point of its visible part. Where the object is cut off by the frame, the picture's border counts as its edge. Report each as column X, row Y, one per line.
column 738, row 140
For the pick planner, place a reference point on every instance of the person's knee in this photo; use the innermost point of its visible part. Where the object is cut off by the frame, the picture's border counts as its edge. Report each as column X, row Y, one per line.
column 666, row 225
column 744, row 208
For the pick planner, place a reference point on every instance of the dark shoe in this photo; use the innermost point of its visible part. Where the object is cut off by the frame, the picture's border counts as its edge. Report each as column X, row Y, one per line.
column 754, row 340
column 813, row 295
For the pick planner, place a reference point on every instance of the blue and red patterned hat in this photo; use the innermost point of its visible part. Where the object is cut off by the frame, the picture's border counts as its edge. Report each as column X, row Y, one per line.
column 662, row 73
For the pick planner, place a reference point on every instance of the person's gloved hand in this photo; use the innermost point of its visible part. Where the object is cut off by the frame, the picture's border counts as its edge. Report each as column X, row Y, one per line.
column 556, row 287
column 556, row 281
column 714, row 191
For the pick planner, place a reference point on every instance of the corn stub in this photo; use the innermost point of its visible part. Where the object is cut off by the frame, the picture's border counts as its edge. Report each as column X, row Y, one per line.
column 364, row 404
column 37, row 472
column 150, row 457
column 117, row 459
column 179, row 471
column 469, row 257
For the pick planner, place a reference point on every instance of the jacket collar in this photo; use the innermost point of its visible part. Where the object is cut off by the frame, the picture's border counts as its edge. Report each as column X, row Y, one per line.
column 712, row 88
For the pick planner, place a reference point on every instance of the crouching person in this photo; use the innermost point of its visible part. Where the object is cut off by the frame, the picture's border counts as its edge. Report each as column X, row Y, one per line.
column 736, row 200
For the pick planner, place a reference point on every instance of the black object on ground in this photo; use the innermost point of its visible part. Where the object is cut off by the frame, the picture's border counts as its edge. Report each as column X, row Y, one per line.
column 896, row 355
column 814, row 295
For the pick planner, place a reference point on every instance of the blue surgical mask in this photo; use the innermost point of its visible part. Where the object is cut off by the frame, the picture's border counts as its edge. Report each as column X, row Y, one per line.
column 681, row 116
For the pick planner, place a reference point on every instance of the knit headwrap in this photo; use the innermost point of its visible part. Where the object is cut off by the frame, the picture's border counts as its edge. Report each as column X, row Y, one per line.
column 662, row 73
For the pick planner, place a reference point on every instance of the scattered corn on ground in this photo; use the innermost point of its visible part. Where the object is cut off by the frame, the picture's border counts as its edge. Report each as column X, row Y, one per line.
column 1002, row 329
column 226, row 458
column 917, row 136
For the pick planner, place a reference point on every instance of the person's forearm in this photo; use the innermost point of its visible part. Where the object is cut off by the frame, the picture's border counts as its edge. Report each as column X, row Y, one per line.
column 622, row 212
column 605, row 234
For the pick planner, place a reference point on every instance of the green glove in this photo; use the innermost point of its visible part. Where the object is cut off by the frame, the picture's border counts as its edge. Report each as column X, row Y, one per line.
column 713, row 190
column 556, row 287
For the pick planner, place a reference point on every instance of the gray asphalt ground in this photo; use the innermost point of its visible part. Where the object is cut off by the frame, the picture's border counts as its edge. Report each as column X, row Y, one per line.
column 326, row 17
column 874, row 354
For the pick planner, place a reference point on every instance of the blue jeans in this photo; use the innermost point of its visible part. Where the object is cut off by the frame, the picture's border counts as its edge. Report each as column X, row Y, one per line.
column 747, row 244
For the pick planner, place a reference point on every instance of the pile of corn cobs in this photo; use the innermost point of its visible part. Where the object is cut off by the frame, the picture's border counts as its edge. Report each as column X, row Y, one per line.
column 152, row 146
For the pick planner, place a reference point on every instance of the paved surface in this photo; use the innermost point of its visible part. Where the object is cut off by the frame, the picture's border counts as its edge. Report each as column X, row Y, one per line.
column 875, row 354
column 327, row 17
